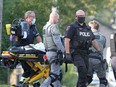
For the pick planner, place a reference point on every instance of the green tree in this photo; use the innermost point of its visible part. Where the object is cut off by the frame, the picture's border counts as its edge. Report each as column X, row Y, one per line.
column 17, row 8
column 101, row 9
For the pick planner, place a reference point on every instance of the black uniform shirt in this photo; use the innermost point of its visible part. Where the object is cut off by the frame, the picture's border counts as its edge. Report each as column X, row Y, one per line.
column 70, row 31
column 32, row 34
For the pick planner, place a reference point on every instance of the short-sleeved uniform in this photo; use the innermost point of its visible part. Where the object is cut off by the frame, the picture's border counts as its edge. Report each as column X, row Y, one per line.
column 32, row 34
column 80, row 40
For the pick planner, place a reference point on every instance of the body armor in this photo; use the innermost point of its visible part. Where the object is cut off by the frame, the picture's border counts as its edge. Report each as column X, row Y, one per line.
column 101, row 42
column 82, row 38
column 51, row 37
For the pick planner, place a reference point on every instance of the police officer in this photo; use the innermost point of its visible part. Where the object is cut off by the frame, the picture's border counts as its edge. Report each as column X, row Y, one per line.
column 78, row 38
column 52, row 41
column 32, row 34
column 96, row 61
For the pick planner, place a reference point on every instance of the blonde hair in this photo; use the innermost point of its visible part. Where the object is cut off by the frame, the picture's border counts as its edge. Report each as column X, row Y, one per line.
column 28, row 13
column 54, row 9
column 94, row 24
column 54, row 13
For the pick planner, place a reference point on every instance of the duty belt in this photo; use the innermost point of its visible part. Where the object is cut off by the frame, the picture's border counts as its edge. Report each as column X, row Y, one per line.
column 54, row 50
column 81, row 51
column 94, row 55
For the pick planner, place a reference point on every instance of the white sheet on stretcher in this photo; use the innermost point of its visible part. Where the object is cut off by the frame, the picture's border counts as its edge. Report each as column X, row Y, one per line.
column 39, row 46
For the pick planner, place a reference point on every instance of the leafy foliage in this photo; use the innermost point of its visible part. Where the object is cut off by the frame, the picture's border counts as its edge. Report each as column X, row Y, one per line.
column 100, row 9
column 17, row 8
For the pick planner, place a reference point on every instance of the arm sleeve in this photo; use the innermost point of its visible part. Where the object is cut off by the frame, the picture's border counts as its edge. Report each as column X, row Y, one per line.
column 92, row 35
column 104, row 40
column 36, row 32
column 56, row 38
column 69, row 32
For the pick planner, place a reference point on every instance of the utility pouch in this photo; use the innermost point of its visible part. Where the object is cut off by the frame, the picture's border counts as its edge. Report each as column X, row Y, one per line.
column 105, row 64
column 60, row 57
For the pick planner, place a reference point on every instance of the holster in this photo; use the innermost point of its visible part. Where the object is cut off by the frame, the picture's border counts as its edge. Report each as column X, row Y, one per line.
column 60, row 57
column 95, row 55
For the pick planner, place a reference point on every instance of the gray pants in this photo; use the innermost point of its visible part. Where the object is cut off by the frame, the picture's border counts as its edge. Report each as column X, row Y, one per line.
column 54, row 68
column 96, row 66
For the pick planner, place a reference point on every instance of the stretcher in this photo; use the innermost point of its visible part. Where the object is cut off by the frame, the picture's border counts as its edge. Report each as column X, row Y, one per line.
column 35, row 57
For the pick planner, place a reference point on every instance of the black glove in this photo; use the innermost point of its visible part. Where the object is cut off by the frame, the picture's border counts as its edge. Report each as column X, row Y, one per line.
column 68, row 58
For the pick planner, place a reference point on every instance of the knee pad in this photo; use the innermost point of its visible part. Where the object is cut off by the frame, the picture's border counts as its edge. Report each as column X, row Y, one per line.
column 60, row 76
column 103, row 81
column 53, row 77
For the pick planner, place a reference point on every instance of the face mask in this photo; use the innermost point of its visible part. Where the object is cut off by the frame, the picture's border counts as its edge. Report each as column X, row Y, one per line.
column 81, row 19
column 33, row 21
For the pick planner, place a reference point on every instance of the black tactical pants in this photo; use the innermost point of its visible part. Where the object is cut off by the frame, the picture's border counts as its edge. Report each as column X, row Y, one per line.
column 81, row 62
column 27, row 69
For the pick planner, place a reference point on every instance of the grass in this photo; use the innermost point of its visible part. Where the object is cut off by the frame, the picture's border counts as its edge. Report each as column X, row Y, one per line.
column 4, row 86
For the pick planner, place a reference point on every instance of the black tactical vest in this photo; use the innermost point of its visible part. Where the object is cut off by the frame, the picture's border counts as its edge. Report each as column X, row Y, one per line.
column 82, row 39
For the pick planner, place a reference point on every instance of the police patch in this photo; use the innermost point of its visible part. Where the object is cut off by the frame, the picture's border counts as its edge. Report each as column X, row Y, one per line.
column 67, row 28
column 86, row 34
